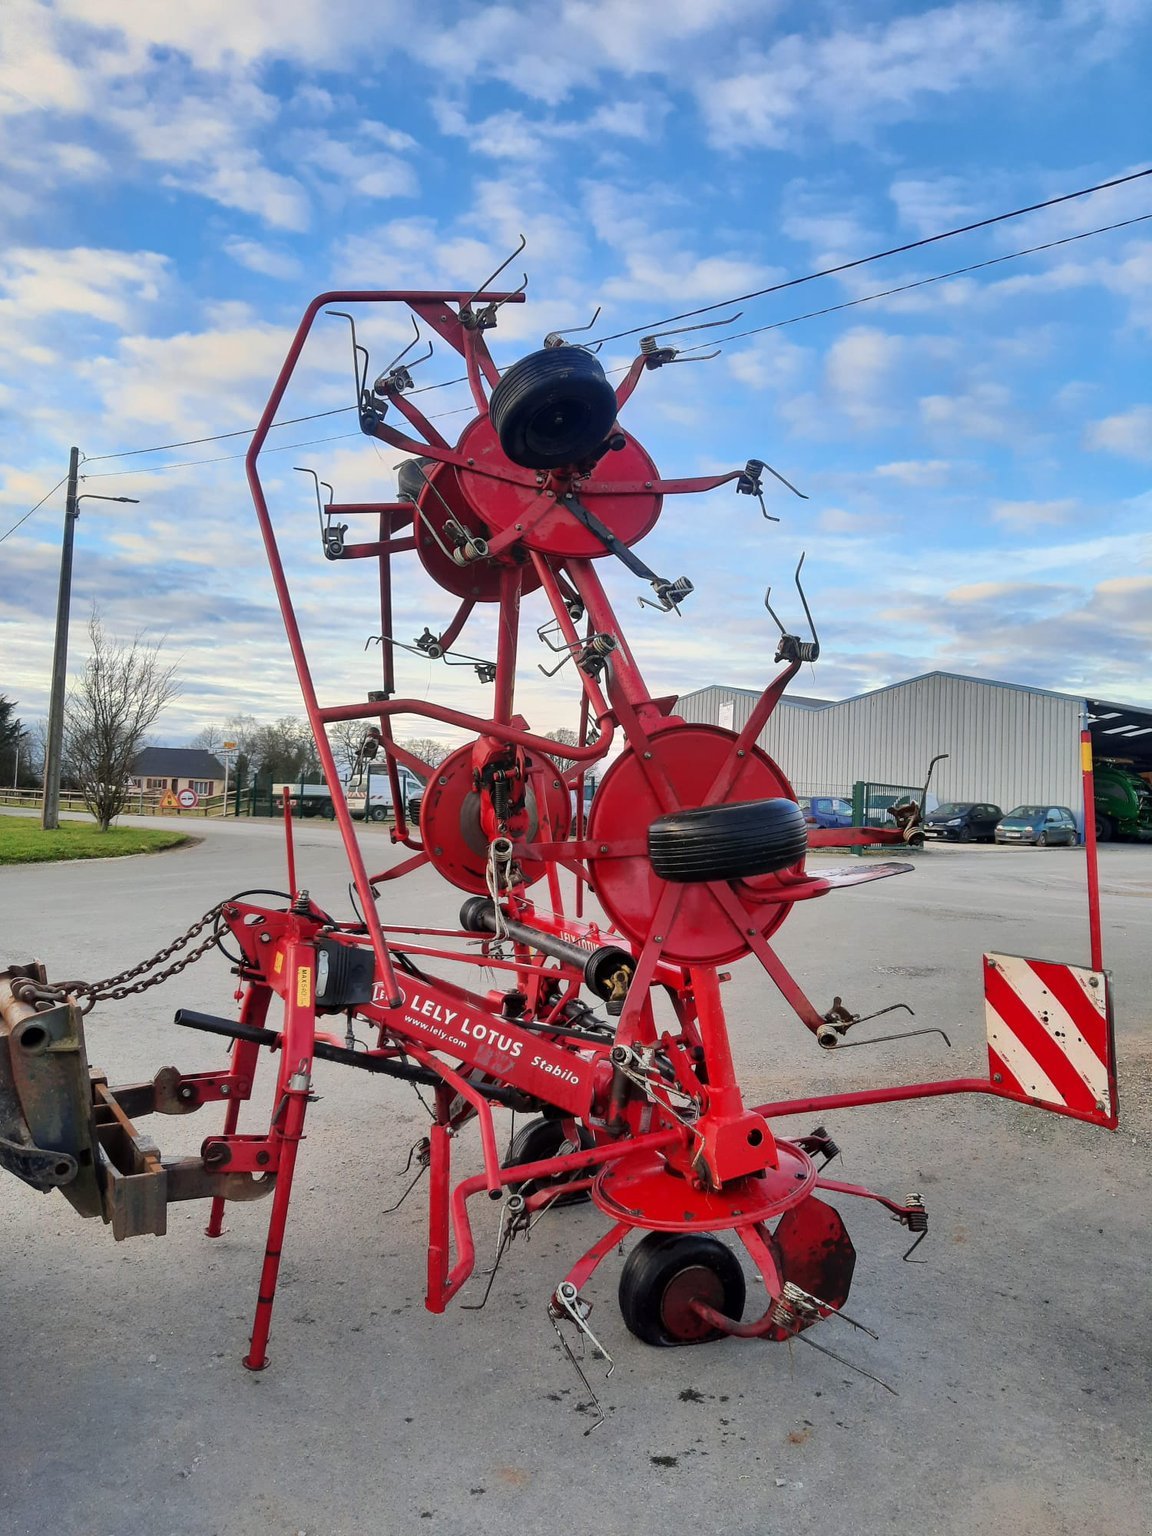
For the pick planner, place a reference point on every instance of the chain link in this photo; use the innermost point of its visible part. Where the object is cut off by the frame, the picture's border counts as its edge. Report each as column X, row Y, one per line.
column 123, row 984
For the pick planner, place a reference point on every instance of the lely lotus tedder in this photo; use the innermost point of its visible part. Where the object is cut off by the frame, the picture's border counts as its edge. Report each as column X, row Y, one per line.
column 691, row 858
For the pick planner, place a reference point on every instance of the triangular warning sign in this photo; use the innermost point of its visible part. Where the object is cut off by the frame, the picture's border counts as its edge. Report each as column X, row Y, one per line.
column 169, row 802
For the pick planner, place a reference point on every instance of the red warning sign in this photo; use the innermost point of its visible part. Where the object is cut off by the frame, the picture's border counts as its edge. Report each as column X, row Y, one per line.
column 1050, row 1035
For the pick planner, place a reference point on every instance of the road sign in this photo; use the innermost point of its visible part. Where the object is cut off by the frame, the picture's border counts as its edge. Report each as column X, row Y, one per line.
column 188, row 799
column 229, row 746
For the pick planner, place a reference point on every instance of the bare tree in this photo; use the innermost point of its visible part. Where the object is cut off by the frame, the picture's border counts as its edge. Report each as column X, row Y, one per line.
column 427, row 748
column 345, row 737
column 564, row 736
column 210, row 738
column 119, row 696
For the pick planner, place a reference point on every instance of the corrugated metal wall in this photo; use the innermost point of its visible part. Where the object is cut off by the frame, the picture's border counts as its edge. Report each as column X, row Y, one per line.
column 1006, row 745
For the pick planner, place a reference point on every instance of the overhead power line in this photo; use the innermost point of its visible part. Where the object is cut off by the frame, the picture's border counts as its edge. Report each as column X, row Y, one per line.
column 759, row 330
column 36, row 508
column 895, row 250
column 216, row 437
column 923, row 282
column 794, row 282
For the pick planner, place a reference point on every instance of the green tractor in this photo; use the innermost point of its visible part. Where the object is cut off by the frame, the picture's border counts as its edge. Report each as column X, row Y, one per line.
column 1123, row 803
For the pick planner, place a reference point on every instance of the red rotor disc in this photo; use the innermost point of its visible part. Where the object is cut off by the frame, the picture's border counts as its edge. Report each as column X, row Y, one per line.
column 503, row 504
column 479, row 580
column 625, row 806
column 450, row 820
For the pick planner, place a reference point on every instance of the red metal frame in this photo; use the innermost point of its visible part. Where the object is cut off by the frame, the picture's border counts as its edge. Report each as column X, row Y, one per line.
column 675, row 1147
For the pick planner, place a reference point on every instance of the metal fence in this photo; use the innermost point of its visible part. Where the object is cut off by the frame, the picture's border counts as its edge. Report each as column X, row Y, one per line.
column 139, row 803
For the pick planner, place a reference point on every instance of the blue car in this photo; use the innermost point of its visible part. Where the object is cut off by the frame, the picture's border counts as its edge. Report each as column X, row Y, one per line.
column 825, row 810
column 1039, row 825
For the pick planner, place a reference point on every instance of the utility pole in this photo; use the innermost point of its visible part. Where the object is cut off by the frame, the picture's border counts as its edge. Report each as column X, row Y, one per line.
column 50, row 814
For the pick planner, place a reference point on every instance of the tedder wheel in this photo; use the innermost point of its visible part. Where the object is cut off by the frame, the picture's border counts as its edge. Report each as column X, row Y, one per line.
column 728, row 842
column 553, row 408
column 540, row 1139
column 665, row 1273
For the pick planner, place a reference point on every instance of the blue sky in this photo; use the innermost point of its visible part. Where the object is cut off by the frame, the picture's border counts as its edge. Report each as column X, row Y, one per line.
column 179, row 180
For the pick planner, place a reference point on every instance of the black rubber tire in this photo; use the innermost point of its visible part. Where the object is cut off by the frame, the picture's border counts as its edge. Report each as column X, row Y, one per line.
column 553, row 408
column 1041, row 840
column 1105, row 828
column 656, row 1262
column 328, row 811
column 410, row 478
column 378, row 813
column 543, row 1138
column 728, row 842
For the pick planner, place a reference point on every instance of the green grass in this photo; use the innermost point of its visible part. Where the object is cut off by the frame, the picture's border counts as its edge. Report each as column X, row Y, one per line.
column 24, row 841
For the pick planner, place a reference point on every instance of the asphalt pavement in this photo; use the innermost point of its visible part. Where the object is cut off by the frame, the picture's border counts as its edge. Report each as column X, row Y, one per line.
column 1019, row 1351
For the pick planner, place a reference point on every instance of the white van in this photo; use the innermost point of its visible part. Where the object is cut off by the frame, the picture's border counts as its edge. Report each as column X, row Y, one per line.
column 371, row 798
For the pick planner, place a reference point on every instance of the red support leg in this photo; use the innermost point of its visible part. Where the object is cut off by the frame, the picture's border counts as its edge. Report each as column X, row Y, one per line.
column 287, row 1130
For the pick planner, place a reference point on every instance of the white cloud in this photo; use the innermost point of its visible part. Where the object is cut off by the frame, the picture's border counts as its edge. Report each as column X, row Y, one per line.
column 360, row 171
column 848, row 80
column 104, row 285
column 1129, row 434
column 860, row 368
column 769, row 363
column 261, row 258
column 919, row 473
column 215, row 34
column 985, row 411
column 1026, row 515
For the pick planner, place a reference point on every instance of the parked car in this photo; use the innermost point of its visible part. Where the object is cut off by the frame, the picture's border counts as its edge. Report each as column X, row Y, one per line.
column 963, row 821
column 1040, row 825
column 825, row 810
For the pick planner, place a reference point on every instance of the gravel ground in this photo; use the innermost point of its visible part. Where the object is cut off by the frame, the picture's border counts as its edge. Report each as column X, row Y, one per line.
column 1019, row 1350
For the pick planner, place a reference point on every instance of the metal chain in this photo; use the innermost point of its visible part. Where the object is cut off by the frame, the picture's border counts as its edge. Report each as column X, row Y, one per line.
column 114, row 988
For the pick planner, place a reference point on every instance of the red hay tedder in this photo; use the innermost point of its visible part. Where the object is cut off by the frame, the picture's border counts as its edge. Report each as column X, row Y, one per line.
column 694, row 852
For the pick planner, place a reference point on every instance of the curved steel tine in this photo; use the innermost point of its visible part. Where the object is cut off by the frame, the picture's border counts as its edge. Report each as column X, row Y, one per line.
column 684, row 357
column 358, row 351
column 776, row 475
column 591, row 322
column 816, row 642
column 394, row 369
column 908, row 1034
column 493, row 305
column 507, row 263
column 321, row 511
column 302, row 469
column 772, row 612
column 704, row 325
column 400, row 356
column 556, row 338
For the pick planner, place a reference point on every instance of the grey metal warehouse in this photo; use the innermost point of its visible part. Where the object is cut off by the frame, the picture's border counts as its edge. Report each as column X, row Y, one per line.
column 1005, row 743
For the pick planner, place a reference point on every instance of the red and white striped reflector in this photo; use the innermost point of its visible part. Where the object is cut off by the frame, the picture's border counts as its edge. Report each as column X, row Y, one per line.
column 1050, row 1035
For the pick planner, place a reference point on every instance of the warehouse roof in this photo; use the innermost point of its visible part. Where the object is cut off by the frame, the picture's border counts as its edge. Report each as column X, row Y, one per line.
column 1121, row 731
